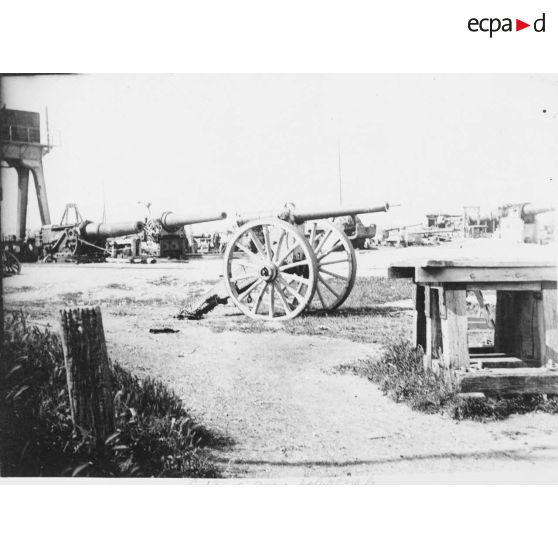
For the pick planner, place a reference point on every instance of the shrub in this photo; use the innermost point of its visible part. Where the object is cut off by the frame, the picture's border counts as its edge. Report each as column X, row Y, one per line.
column 155, row 436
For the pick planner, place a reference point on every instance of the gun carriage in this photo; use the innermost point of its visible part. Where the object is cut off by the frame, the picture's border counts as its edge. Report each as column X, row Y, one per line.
column 278, row 266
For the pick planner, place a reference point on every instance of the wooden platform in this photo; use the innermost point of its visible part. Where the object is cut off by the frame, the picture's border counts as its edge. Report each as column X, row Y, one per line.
column 525, row 324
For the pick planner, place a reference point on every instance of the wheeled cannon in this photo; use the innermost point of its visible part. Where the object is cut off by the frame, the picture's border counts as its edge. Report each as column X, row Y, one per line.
column 278, row 266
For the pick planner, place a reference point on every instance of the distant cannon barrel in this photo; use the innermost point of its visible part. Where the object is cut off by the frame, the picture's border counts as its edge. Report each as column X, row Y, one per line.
column 99, row 231
column 299, row 217
column 172, row 222
column 531, row 210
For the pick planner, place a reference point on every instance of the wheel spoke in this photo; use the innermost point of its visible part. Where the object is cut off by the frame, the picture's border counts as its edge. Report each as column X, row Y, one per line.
column 284, row 300
column 320, row 296
column 242, row 277
column 322, row 242
column 245, row 293
column 279, row 246
column 331, row 249
column 257, row 243
column 334, row 262
column 329, row 288
column 294, row 264
column 290, row 290
column 291, row 250
column 346, row 279
column 259, row 299
column 271, row 300
column 267, row 242
column 296, row 278
column 247, row 250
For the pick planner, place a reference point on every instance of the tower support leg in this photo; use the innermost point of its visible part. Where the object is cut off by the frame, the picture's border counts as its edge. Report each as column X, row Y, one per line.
column 22, row 198
column 40, row 187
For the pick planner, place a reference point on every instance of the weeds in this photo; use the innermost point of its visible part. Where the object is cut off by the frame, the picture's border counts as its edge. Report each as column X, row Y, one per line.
column 154, row 436
column 401, row 376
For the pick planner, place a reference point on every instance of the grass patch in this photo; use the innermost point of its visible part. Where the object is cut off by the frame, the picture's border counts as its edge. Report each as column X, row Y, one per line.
column 118, row 286
column 400, row 375
column 164, row 280
column 363, row 318
column 23, row 289
column 155, row 436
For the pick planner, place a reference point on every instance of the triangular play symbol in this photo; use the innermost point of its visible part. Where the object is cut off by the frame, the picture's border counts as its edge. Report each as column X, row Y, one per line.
column 519, row 25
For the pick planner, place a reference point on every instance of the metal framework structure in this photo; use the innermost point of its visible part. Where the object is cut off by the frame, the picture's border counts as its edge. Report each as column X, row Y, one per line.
column 21, row 148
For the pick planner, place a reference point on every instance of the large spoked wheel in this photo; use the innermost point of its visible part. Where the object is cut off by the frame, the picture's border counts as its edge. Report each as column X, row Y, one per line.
column 337, row 264
column 270, row 270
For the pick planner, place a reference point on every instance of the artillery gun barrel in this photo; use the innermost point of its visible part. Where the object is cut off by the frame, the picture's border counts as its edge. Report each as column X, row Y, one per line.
column 172, row 222
column 100, row 231
column 530, row 210
column 300, row 216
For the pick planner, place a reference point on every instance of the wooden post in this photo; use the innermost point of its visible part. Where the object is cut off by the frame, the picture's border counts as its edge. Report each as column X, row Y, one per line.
column 453, row 307
column 88, row 371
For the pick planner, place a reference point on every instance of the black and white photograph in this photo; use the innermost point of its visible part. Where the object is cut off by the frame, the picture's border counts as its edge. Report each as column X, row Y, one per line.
column 280, row 278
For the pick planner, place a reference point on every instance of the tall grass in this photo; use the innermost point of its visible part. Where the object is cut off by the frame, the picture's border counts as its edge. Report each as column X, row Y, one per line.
column 154, row 435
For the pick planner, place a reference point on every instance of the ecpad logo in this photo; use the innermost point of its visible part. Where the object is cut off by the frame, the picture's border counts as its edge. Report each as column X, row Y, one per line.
column 492, row 25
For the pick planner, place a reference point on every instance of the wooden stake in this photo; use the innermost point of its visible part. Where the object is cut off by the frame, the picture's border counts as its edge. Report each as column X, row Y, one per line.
column 87, row 371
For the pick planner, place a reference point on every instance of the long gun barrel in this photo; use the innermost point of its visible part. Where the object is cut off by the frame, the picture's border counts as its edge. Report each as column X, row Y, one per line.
column 297, row 217
column 172, row 222
column 530, row 210
column 98, row 231
column 300, row 216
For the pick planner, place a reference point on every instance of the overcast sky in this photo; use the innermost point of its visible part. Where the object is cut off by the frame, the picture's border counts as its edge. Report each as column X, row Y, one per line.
column 251, row 142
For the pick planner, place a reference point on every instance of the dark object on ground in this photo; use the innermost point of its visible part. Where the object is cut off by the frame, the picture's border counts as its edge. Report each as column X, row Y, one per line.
column 201, row 307
column 163, row 330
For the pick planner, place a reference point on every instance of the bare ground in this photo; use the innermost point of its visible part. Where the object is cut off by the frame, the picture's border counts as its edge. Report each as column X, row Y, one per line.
column 272, row 395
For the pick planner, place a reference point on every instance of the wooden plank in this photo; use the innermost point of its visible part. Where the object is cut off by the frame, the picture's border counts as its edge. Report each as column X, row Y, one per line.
column 485, row 355
column 504, row 382
column 454, row 329
column 498, row 361
column 549, row 326
column 514, row 262
column 474, row 275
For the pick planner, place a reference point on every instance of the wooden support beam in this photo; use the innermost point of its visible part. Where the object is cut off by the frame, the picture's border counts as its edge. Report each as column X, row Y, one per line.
column 475, row 275
column 505, row 382
column 87, row 371
column 498, row 361
column 454, row 328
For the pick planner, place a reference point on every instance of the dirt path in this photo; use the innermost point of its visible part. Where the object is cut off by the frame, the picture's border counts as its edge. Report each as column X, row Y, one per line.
column 273, row 394
column 288, row 415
